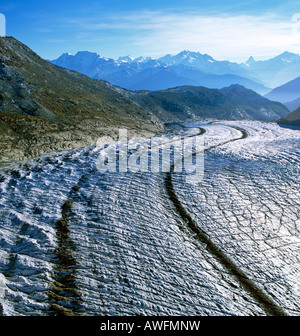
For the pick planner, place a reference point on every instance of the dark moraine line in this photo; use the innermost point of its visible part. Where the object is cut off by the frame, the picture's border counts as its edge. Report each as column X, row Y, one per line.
column 64, row 296
column 262, row 299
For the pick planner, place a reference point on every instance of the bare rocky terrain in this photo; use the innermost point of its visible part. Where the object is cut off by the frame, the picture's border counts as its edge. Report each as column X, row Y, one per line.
column 44, row 107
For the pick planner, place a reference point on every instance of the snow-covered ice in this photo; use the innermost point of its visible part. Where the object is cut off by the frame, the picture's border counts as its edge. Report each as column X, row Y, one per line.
column 77, row 241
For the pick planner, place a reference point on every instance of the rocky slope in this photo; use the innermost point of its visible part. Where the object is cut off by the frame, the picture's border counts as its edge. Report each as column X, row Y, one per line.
column 44, row 107
column 194, row 103
column 292, row 118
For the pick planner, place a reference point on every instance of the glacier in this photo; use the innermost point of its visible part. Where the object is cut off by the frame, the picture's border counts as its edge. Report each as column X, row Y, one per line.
column 75, row 241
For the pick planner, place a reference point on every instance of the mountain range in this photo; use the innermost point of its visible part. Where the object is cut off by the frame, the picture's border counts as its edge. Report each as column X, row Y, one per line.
column 185, row 68
column 288, row 94
column 44, row 107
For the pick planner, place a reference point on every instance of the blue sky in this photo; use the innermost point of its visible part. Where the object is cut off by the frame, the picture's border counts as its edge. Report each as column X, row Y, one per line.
column 223, row 29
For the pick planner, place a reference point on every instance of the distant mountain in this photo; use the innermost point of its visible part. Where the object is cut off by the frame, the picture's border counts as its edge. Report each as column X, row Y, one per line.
column 205, row 63
column 288, row 94
column 293, row 105
column 164, row 77
column 158, row 78
column 194, row 68
column 217, row 81
column 87, row 63
column 195, row 103
column 186, row 68
column 275, row 71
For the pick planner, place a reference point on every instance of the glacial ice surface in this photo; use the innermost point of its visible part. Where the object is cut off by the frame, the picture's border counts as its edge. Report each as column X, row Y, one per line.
column 77, row 241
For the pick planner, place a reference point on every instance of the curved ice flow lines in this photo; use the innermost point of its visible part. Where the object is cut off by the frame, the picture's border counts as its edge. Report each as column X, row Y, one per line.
column 270, row 307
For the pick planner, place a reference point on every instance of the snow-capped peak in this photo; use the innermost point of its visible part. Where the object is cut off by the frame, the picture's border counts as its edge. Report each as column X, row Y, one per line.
column 184, row 54
column 126, row 59
column 287, row 57
column 143, row 59
column 250, row 60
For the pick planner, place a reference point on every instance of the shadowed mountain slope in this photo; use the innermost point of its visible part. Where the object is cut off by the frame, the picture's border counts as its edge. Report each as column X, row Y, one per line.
column 190, row 103
column 292, row 118
column 45, row 107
